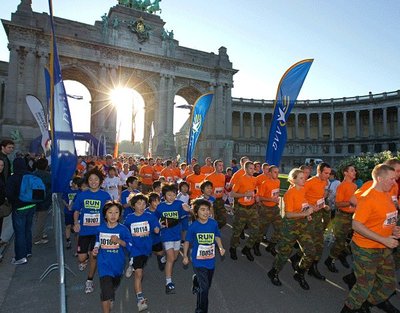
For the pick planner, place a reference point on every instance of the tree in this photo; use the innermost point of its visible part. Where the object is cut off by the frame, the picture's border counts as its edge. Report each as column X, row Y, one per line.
column 365, row 163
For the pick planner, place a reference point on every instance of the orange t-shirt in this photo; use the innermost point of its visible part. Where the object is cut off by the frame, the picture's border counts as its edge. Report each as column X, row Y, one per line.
column 147, row 172
column 344, row 192
column 169, row 174
column 315, row 191
column 270, row 188
column 194, row 182
column 295, row 200
column 244, row 184
column 260, row 179
column 358, row 193
column 206, row 169
column 376, row 211
column 218, row 181
column 236, row 176
column 177, row 173
column 157, row 170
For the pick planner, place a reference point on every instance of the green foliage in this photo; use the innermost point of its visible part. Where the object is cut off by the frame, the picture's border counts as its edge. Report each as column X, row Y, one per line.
column 284, row 183
column 365, row 163
column 128, row 147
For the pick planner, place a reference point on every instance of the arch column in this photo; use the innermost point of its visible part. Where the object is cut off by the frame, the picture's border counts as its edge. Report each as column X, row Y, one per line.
column 384, row 117
column 29, row 81
column 263, row 132
column 358, row 124
column 345, row 125
column 319, row 125
column 252, row 124
column 10, row 109
column 241, row 124
column 332, row 126
column 371, row 122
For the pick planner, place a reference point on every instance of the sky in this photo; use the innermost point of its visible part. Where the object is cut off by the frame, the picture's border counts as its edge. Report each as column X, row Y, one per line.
column 354, row 43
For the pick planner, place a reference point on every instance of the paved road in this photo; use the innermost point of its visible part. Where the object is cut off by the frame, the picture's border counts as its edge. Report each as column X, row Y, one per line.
column 238, row 286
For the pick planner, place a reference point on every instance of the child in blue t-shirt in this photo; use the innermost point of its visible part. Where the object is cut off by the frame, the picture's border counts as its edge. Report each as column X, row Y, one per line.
column 141, row 226
column 202, row 235
column 132, row 182
column 87, row 217
column 67, row 199
column 170, row 213
column 183, row 195
column 157, row 248
column 111, row 239
column 206, row 188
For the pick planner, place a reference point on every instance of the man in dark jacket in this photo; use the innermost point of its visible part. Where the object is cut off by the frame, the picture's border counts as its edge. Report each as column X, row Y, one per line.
column 42, row 208
column 22, row 215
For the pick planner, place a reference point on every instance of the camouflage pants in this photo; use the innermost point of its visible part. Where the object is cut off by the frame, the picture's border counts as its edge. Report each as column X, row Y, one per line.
column 326, row 217
column 267, row 216
column 341, row 228
column 316, row 229
column 374, row 271
column 245, row 215
column 293, row 230
column 220, row 212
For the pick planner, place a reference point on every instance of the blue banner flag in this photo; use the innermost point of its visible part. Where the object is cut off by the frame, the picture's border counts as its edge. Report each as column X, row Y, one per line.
column 288, row 90
column 63, row 154
column 199, row 113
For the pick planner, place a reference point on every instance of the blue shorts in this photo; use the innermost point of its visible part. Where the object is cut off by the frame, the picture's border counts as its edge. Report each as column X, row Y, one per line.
column 185, row 223
column 69, row 219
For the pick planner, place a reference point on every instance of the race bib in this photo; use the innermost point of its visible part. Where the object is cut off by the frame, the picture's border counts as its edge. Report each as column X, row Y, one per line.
column 140, row 229
column 249, row 198
column 205, row 252
column 219, row 190
column 275, row 193
column 148, row 175
column 106, row 243
column 320, row 203
column 91, row 219
column 197, row 186
column 395, row 202
column 304, row 207
column 391, row 219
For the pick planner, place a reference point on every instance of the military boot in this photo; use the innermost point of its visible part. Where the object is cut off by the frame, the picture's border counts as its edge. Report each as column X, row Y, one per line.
column 330, row 264
column 271, row 248
column 295, row 259
column 233, row 254
column 299, row 276
column 273, row 276
column 256, row 249
column 247, row 252
column 350, row 280
column 313, row 271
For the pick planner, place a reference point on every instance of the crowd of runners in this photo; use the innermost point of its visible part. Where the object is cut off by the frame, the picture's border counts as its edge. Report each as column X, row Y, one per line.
column 123, row 210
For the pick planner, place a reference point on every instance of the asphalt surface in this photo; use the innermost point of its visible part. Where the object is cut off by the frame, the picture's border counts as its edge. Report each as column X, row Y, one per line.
column 238, row 286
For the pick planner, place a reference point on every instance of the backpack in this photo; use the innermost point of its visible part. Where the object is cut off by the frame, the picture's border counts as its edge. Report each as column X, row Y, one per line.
column 32, row 189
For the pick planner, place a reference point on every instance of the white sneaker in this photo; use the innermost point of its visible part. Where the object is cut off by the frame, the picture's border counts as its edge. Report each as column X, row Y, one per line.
column 142, row 305
column 41, row 242
column 129, row 271
column 82, row 266
column 19, row 262
column 89, row 286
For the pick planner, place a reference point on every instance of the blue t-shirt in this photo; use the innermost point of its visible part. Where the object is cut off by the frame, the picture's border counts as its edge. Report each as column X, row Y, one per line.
column 90, row 205
column 125, row 195
column 111, row 257
column 141, row 227
column 156, row 238
column 210, row 199
column 202, row 238
column 173, row 211
column 69, row 196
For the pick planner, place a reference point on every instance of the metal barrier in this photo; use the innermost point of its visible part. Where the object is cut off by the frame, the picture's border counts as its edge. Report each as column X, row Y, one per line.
column 60, row 265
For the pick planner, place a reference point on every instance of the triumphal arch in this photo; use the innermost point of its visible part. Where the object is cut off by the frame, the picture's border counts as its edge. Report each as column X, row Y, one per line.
column 128, row 47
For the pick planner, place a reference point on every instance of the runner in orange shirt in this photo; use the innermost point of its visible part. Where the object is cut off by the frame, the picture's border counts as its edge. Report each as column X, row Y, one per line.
column 245, row 212
column 343, row 218
column 264, row 176
column 158, row 167
column 218, row 181
column 207, row 168
column 194, row 180
column 315, row 188
column 268, row 210
column 168, row 172
column 146, row 173
column 375, row 235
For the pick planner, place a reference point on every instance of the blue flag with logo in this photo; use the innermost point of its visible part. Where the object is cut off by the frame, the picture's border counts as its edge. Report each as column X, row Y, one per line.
column 288, row 90
column 63, row 154
column 199, row 113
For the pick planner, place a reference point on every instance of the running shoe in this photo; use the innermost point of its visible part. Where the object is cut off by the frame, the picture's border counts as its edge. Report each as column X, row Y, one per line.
column 68, row 244
column 19, row 262
column 129, row 271
column 170, row 289
column 89, row 286
column 142, row 305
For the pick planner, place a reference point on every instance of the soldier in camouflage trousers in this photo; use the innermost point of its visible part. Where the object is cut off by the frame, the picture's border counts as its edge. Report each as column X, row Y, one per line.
column 245, row 215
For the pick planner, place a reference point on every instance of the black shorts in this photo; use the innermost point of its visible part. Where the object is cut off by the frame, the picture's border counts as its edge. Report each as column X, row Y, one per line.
column 139, row 261
column 108, row 285
column 157, row 247
column 69, row 219
column 86, row 243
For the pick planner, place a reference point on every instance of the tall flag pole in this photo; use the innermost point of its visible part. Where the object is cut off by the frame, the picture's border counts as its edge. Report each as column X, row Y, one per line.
column 63, row 153
column 288, row 89
column 198, row 117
